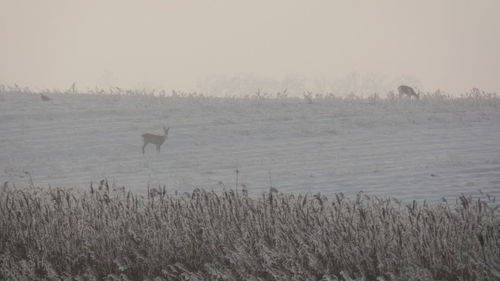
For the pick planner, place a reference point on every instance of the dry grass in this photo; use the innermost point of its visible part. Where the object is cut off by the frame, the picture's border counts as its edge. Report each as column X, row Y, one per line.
column 104, row 235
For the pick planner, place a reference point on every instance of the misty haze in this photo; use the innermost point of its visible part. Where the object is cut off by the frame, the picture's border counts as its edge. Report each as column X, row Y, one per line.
column 249, row 140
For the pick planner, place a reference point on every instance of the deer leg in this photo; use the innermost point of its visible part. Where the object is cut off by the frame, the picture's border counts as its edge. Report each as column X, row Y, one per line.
column 158, row 147
column 144, row 147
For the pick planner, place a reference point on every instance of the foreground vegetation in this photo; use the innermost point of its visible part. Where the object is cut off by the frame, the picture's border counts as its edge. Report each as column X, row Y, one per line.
column 115, row 235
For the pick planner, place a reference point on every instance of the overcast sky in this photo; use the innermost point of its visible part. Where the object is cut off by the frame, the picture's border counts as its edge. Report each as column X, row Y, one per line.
column 449, row 44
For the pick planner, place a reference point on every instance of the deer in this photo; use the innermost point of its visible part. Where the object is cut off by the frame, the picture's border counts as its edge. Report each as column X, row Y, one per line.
column 407, row 91
column 45, row 98
column 157, row 140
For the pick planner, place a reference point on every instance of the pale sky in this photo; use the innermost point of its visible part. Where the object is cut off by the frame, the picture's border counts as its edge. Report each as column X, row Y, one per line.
column 453, row 45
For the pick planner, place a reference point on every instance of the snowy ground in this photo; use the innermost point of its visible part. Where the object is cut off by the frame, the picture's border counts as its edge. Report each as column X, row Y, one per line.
column 424, row 149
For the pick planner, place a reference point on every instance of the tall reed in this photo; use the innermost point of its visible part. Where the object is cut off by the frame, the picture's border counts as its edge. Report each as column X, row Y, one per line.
column 104, row 235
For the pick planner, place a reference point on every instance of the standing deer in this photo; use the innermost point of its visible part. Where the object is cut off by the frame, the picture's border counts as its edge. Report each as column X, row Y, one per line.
column 157, row 140
column 407, row 91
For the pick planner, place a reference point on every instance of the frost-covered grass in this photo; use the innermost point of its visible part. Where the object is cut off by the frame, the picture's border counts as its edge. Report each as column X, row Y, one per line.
column 436, row 147
column 114, row 235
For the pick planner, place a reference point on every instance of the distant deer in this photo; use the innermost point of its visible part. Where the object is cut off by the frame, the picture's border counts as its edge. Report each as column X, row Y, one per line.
column 157, row 140
column 407, row 91
column 45, row 98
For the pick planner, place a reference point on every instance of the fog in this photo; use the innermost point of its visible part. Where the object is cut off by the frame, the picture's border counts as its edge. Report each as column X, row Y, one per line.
column 451, row 45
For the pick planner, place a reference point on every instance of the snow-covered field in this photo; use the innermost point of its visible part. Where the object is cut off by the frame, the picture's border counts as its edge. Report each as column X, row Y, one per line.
column 427, row 149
